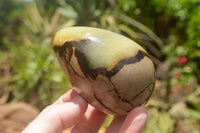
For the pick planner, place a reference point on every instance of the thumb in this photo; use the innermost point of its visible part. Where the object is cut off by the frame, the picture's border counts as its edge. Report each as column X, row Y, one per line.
column 57, row 117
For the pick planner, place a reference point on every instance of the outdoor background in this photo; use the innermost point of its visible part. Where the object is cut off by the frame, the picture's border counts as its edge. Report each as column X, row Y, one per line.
column 168, row 29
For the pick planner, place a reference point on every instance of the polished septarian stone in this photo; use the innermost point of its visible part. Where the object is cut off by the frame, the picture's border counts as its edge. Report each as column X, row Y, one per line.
column 110, row 71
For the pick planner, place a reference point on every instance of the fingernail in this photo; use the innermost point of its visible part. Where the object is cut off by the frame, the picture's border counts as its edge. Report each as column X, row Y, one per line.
column 139, row 122
column 77, row 98
column 79, row 102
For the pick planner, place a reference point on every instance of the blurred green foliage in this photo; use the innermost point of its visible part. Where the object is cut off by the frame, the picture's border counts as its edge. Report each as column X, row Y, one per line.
column 159, row 121
column 9, row 20
column 35, row 74
column 168, row 29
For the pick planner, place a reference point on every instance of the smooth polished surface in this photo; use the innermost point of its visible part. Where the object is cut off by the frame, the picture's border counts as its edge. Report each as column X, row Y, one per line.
column 112, row 72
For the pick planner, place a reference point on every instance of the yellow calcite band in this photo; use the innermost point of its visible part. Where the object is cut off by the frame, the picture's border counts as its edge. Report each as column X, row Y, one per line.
column 104, row 50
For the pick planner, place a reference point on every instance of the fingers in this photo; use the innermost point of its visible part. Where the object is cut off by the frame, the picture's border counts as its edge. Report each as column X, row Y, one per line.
column 69, row 110
column 116, row 124
column 58, row 117
column 135, row 121
column 91, row 122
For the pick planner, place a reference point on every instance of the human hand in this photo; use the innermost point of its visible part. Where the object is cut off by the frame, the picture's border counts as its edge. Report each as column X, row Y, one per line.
column 71, row 110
